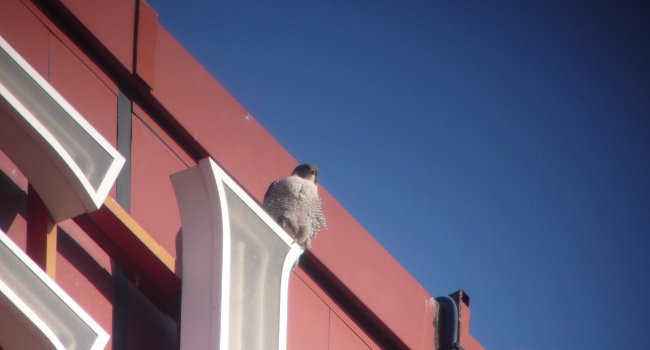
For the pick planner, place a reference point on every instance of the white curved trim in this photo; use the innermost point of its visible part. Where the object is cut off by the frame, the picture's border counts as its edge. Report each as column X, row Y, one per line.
column 31, row 316
column 52, row 141
column 294, row 253
column 90, row 197
column 244, row 196
column 224, row 333
column 203, row 193
column 101, row 337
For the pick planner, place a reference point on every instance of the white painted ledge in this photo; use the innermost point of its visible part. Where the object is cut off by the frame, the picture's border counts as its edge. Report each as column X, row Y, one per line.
column 236, row 265
column 71, row 166
column 35, row 313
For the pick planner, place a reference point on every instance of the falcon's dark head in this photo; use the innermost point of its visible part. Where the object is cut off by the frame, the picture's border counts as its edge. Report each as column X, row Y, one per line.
column 307, row 171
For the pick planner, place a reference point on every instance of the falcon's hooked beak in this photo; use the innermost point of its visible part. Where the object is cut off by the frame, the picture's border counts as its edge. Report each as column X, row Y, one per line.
column 311, row 177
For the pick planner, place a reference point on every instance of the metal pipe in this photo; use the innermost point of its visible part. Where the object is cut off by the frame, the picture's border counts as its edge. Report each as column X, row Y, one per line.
column 448, row 325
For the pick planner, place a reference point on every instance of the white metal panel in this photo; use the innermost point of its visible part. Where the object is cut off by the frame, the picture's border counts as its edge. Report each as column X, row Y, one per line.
column 71, row 166
column 235, row 252
column 39, row 301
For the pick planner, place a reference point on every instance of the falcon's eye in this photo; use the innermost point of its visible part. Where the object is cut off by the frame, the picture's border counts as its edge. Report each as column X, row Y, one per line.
column 313, row 171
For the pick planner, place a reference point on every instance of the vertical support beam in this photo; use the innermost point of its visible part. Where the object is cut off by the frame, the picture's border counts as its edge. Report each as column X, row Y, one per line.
column 124, row 132
column 123, row 189
column 41, row 233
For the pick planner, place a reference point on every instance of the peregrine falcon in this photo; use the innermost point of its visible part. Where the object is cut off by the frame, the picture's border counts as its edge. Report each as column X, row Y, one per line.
column 294, row 203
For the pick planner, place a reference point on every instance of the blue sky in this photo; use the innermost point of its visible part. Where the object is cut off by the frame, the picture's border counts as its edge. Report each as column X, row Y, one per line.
column 498, row 147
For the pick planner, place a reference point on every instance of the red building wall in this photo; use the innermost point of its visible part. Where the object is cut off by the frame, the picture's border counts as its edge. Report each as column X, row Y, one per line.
column 91, row 52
